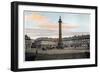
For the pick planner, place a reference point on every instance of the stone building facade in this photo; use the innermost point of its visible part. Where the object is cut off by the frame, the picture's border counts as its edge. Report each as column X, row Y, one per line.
column 82, row 41
column 44, row 43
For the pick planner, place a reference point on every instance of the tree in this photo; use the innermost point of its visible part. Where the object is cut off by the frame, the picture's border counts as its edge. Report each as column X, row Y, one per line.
column 27, row 37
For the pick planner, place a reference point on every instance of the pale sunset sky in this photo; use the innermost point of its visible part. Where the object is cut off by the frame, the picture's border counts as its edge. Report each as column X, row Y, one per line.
column 45, row 24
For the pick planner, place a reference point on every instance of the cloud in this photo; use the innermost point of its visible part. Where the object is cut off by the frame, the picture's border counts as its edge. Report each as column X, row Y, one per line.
column 45, row 23
column 37, row 18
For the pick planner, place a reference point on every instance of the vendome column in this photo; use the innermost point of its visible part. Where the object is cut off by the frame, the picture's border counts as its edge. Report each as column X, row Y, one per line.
column 60, row 44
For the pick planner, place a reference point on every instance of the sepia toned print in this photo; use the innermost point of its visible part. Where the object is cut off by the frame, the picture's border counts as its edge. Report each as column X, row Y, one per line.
column 56, row 35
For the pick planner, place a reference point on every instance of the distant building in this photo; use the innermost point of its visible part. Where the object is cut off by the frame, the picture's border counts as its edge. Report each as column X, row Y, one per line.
column 82, row 41
column 45, row 43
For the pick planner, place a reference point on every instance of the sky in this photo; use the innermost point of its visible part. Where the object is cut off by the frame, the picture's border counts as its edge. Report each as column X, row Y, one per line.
column 45, row 24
